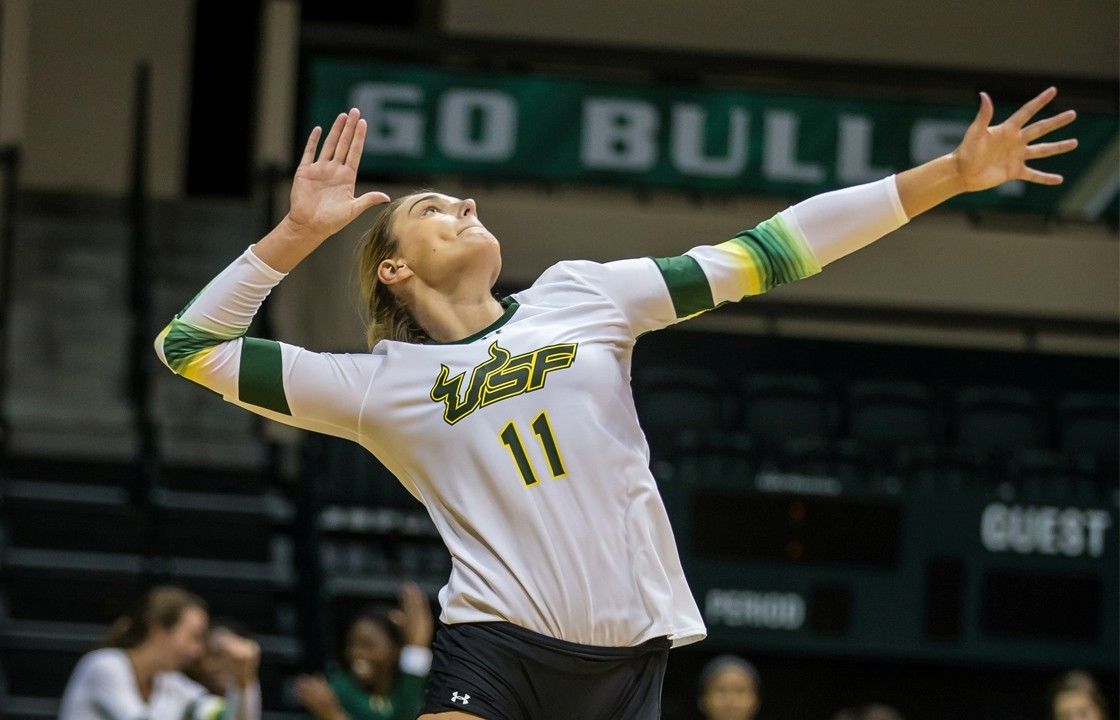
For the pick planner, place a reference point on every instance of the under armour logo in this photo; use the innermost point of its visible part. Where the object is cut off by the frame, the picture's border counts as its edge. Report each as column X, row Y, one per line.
column 456, row 697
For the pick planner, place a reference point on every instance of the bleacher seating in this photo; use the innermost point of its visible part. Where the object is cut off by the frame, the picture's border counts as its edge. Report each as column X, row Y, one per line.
column 84, row 533
column 891, row 413
column 672, row 397
column 778, row 409
column 1089, row 433
column 935, row 428
column 997, row 419
column 77, row 555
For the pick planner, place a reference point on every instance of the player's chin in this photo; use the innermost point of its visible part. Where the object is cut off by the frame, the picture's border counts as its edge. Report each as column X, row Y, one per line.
column 479, row 235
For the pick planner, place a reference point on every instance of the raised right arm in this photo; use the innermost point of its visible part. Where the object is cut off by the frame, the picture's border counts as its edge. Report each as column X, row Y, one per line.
column 205, row 342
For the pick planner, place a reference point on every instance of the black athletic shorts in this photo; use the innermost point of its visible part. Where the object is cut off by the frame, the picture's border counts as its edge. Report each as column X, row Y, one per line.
column 501, row 671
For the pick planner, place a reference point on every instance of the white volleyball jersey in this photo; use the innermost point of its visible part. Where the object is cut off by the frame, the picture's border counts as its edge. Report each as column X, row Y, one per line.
column 522, row 440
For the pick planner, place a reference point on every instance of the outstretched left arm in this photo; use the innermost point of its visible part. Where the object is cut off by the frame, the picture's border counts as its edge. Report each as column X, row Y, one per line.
column 988, row 156
column 800, row 240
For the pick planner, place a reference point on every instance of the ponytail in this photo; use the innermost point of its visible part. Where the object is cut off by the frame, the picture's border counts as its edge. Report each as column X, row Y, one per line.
column 385, row 316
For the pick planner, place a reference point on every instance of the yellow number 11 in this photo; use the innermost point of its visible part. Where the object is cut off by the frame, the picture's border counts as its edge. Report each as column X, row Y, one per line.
column 543, row 431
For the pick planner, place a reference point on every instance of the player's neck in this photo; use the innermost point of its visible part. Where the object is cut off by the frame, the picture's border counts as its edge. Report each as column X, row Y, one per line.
column 450, row 318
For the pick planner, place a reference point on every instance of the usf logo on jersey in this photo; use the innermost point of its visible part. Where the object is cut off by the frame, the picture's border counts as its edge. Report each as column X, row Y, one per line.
column 499, row 377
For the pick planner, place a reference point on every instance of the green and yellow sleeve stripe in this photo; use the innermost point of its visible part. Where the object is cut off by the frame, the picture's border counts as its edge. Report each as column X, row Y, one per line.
column 207, row 345
column 753, row 261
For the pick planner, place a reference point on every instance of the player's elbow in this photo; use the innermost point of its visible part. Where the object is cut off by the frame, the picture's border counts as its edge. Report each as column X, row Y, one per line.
column 158, row 345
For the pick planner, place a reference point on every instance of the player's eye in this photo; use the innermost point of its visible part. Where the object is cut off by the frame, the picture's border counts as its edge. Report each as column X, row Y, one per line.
column 430, row 207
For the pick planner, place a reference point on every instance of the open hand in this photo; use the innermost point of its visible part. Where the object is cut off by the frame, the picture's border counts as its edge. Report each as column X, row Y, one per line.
column 414, row 617
column 989, row 156
column 322, row 199
column 315, row 694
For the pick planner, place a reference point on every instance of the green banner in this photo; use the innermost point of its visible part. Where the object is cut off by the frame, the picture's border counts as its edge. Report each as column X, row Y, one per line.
column 426, row 120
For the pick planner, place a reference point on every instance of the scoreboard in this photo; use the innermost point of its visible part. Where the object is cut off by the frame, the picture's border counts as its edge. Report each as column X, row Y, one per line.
column 940, row 571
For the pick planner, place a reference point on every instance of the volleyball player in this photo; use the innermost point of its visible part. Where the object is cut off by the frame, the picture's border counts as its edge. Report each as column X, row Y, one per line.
column 512, row 420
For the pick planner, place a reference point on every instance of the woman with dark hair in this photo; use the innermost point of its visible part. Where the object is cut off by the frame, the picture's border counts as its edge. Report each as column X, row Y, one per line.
column 512, row 419
column 386, row 656
column 138, row 671
column 1076, row 696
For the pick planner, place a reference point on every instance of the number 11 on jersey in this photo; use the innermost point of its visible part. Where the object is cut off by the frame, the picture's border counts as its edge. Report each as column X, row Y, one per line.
column 543, row 431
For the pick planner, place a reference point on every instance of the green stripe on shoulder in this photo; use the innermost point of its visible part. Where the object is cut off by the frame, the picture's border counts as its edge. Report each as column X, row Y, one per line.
column 687, row 283
column 261, row 379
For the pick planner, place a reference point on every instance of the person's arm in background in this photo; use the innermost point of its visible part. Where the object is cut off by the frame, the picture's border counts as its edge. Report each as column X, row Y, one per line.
column 243, row 659
column 414, row 618
column 316, row 694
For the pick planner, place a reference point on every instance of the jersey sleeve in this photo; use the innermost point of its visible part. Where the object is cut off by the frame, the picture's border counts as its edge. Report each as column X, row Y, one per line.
column 655, row 292
column 110, row 689
column 205, row 342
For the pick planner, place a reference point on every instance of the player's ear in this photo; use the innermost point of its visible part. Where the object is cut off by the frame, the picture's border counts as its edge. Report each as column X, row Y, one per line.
column 392, row 271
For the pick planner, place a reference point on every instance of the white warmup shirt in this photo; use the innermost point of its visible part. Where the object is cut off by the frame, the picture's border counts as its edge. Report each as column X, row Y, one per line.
column 522, row 441
column 103, row 687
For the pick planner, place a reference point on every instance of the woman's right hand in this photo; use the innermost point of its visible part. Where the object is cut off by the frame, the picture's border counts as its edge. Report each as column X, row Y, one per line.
column 414, row 616
column 322, row 199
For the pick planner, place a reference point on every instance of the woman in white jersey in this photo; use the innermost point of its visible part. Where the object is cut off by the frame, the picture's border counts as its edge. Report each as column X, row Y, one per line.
column 137, row 675
column 512, row 420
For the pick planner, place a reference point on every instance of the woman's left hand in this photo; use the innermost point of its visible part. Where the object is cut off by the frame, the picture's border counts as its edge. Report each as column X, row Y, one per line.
column 241, row 656
column 989, row 156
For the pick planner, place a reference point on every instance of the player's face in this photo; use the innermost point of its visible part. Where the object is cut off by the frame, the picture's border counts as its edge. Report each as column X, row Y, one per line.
column 370, row 652
column 442, row 241
column 185, row 641
column 730, row 695
column 1075, row 706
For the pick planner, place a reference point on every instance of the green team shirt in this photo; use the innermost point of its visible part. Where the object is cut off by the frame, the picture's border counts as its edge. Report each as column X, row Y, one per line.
column 403, row 702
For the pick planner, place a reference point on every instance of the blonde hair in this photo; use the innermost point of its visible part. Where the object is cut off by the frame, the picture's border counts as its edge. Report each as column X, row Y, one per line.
column 384, row 315
column 160, row 607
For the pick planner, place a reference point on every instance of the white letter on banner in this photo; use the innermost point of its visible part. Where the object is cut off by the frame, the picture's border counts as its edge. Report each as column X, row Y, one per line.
column 1012, row 188
column 931, row 139
column 390, row 132
column 1071, row 524
column 853, row 162
column 779, row 151
column 993, row 527
column 1099, row 522
column 688, row 143
column 498, row 125
column 618, row 134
